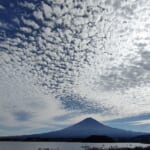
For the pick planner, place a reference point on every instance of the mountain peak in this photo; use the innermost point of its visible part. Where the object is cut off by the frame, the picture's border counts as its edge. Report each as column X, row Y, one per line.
column 89, row 122
column 89, row 119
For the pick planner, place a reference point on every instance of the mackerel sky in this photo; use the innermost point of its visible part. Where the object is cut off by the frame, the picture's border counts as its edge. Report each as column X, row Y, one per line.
column 64, row 60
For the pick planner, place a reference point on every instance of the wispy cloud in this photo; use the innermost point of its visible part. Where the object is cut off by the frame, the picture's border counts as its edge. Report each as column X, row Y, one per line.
column 141, row 122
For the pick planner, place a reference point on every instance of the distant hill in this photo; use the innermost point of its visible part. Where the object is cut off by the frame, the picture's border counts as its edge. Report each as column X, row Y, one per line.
column 142, row 138
column 98, row 138
column 85, row 129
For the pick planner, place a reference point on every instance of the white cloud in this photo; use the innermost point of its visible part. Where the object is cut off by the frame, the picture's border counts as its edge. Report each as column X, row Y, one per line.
column 27, row 5
column 47, row 10
column 30, row 23
column 26, row 29
column 2, row 7
column 38, row 14
column 19, row 94
column 16, row 20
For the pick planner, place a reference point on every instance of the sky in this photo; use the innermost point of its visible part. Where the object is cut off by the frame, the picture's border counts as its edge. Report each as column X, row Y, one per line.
column 64, row 60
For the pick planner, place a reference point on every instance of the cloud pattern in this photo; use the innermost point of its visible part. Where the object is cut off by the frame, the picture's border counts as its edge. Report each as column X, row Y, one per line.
column 73, row 56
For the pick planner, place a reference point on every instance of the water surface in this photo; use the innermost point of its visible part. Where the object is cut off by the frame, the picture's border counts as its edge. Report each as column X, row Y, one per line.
column 61, row 145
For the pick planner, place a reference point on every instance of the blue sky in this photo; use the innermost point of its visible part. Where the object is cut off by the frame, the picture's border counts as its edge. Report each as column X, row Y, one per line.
column 62, row 61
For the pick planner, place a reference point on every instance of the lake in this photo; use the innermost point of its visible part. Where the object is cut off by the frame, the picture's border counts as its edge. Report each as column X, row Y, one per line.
column 61, row 145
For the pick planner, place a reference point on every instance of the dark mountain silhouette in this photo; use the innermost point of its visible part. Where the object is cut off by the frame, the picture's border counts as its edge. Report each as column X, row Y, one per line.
column 82, row 130
column 87, row 127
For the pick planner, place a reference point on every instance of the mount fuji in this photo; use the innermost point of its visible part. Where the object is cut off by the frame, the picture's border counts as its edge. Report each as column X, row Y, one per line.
column 84, row 129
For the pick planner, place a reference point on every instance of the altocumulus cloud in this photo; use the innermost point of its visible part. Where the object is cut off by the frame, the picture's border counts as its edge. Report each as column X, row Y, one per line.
column 62, row 58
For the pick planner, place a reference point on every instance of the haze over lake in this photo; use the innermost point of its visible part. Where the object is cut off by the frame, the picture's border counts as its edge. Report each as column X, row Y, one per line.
column 61, row 145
